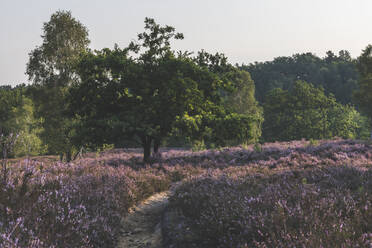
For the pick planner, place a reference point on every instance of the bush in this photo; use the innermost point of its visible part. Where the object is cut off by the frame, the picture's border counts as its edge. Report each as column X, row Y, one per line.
column 198, row 146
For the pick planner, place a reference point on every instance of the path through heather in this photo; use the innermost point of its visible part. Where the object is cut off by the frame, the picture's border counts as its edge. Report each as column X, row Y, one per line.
column 142, row 226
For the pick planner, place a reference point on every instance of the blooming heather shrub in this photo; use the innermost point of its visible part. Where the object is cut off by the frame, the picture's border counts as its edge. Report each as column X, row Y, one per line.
column 281, row 155
column 73, row 205
column 271, row 155
column 329, row 207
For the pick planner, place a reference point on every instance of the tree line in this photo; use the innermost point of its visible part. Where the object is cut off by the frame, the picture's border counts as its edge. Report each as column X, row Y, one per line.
column 149, row 95
column 336, row 74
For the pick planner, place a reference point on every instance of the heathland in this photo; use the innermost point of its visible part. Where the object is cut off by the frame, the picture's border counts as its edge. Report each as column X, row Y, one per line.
column 276, row 195
column 271, row 154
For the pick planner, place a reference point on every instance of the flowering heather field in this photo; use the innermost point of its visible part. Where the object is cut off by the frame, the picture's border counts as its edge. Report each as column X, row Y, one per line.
column 329, row 207
column 74, row 205
column 277, row 195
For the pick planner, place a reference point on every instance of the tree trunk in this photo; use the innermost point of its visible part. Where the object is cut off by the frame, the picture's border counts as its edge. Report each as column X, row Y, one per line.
column 5, row 182
column 156, row 145
column 68, row 156
column 78, row 153
column 146, row 143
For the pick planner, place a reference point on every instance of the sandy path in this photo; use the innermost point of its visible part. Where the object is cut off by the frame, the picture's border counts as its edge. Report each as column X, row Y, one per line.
column 142, row 226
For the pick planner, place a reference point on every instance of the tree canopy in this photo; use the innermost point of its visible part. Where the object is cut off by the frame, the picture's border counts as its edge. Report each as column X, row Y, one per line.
column 337, row 74
column 307, row 112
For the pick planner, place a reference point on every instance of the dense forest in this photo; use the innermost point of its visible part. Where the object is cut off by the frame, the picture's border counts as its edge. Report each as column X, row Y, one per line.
column 148, row 95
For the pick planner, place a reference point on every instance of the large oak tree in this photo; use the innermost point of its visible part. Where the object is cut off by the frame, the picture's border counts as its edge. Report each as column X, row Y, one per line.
column 145, row 91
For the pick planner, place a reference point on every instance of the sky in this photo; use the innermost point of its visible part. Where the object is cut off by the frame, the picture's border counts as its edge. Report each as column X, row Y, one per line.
column 244, row 30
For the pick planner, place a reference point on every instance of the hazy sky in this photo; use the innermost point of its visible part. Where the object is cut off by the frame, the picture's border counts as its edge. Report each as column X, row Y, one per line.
column 245, row 30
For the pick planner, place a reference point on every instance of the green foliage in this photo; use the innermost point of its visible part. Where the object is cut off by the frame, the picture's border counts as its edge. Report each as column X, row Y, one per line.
column 257, row 147
column 52, row 69
column 28, row 142
column 198, row 145
column 304, row 181
column 147, row 92
column 313, row 142
column 234, row 117
column 106, row 147
column 362, row 95
column 17, row 118
column 52, row 63
column 306, row 112
column 364, row 127
column 337, row 74
column 234, row 129
column 222, row 129
column 10, row 100
column 135, row 97
column 241, row 100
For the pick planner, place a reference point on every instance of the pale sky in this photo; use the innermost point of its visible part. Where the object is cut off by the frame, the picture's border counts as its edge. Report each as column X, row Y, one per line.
column 244, row 30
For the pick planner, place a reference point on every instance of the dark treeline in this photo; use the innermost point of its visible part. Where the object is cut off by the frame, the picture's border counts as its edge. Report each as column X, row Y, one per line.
column 148, row 95
column 337, row 74
column 305, row 96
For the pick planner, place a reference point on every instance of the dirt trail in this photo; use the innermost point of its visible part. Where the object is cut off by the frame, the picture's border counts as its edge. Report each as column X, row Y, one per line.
column 142, row 226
